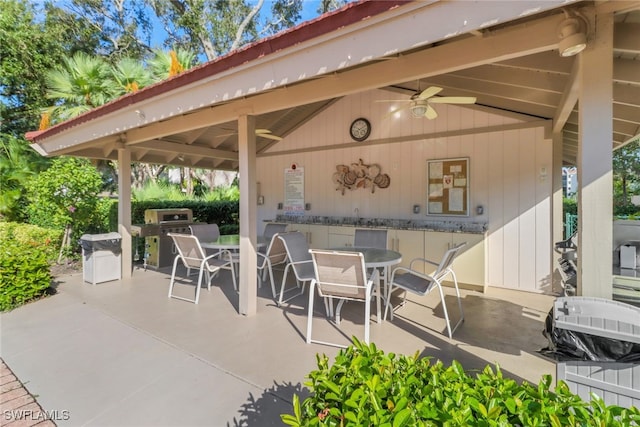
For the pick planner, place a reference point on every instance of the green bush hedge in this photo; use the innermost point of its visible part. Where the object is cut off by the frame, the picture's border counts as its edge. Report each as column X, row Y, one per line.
column 366, row 387
column 25, row 251
column 46, row 239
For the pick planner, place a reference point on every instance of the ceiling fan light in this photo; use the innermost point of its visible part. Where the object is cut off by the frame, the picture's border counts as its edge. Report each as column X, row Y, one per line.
column 418, row 110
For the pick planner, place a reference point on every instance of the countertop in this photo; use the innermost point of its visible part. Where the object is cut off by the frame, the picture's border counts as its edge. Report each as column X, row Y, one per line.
column 402, row 224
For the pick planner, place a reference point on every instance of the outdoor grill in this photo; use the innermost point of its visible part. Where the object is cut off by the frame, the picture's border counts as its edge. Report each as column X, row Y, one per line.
column 157, row 224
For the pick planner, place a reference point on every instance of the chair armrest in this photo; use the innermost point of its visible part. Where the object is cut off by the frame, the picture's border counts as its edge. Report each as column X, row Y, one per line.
column 220, row 253
column 410, row 271
column 422, row 260
column 301, row 262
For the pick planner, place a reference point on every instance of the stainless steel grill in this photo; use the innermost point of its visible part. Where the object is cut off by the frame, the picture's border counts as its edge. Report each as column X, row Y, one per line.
column 159, row 249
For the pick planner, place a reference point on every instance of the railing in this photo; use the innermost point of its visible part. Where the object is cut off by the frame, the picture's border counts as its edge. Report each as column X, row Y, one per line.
column 570, row 224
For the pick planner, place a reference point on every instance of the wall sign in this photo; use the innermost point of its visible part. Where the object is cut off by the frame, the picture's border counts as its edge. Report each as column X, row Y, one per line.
column 294, row 191
column 448, row 187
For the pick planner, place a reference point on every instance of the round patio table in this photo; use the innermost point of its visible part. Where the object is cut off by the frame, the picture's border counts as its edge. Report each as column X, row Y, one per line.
column 230, row 242
column 376, row 258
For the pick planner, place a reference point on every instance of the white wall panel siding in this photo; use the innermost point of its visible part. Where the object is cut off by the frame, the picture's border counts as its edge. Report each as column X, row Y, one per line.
column 504, row 177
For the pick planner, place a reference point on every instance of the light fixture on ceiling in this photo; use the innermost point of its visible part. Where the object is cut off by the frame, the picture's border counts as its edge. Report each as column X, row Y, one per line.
column 419, row 108
column 573, row 35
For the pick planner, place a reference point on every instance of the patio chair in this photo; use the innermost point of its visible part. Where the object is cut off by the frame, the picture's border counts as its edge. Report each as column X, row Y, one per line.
column 275, row 254
column 371, row 238
column 342, row 276
column 410, row 280
column 193, row 256
column 299, row 260
column 205, row 232
column 270, row 230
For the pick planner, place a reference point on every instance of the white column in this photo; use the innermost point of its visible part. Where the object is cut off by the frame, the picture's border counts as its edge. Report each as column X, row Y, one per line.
column 595, row 178
column 124, row 209
column 248, row 215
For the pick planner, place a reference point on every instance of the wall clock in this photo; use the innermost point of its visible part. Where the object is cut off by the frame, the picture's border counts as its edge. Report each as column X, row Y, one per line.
column 360, row 129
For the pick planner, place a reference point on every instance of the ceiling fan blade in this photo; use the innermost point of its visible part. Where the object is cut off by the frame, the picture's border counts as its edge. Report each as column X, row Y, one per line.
column 430, row 113
column 266, row 133
column 453, row 100
column 269, row 136
column 392, row 100
column 429, row 92
column 395, row 110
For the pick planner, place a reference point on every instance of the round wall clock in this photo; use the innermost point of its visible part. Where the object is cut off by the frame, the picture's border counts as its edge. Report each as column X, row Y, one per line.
column 360, row 129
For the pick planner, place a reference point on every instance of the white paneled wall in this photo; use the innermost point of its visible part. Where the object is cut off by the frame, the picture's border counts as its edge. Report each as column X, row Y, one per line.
column 506, row 178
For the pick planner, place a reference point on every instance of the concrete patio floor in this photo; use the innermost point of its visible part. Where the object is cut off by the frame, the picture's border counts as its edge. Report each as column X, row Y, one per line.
column 123, row 354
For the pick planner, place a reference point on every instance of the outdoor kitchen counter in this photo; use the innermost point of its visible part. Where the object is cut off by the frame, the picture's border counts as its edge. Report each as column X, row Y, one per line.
column 397, row 224
column 412, row 238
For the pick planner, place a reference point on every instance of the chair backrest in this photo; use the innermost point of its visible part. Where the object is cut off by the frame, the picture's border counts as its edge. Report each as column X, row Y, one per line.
column 370, row 238
column 271, row 229
column 205, row 232
column 276, row 251
column 295, row 243
column 189, row 249
column 340, row 274
column 447, row 260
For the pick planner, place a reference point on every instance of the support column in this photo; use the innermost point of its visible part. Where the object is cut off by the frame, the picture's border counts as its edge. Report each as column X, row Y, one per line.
column 248, row 215
column 595, row 176
column 124, row 209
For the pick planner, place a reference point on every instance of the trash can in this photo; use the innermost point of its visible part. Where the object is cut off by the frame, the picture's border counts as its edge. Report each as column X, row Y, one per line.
column 596, row 345
column 101, row 257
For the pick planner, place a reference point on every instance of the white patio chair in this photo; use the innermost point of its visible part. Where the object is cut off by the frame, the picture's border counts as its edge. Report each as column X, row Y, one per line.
column 421, row 284
column 275, row 254
column 205, row 232
column 342, row 276
column 372, row 238
column 270, row 230
column 299, row 260
column 193, row 256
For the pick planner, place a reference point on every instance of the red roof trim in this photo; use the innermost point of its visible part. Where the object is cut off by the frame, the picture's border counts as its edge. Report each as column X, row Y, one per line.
column 348, row 15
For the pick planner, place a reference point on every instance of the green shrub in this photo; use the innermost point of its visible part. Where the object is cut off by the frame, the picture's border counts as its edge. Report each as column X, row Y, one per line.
column 46, row 239
column 366, row 387
column 65, row 194
column 24, row 273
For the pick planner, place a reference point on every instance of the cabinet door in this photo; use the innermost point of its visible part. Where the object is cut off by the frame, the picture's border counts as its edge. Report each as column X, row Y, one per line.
column 340, row 237
column 469, row 265
column 410, row 243
column 317, row 236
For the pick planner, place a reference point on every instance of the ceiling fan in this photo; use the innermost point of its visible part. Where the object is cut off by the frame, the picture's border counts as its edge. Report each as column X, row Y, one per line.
column 263, row 133
column 420, row 102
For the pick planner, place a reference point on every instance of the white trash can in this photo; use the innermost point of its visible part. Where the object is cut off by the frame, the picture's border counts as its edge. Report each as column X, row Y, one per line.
column 101, row 257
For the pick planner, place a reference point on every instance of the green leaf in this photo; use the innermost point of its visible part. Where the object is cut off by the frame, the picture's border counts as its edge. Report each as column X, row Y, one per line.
column 402, row 418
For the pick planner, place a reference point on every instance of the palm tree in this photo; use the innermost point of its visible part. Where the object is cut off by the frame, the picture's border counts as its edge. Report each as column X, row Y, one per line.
column 167, row 64
column 82, row 83
column 130, row 75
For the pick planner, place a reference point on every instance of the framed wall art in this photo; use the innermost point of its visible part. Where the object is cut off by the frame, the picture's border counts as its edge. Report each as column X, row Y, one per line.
column 448, row 186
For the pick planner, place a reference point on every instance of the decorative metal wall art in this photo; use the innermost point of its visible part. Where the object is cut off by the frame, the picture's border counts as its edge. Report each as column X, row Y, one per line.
column 360, row 175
